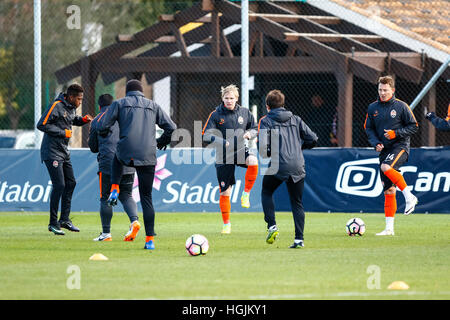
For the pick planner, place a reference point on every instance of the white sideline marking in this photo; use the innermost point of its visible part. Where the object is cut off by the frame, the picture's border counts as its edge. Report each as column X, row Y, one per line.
column 348, row 294
column 310, row 295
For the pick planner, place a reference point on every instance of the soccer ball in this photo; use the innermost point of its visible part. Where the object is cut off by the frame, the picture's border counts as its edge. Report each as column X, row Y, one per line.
column 355, row 226
column 197, row 245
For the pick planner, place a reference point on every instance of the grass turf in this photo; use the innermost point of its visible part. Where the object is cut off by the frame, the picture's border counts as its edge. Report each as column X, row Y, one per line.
column 35, row 264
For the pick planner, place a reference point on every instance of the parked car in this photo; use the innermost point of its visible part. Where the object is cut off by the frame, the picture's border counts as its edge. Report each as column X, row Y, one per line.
column 18, row 139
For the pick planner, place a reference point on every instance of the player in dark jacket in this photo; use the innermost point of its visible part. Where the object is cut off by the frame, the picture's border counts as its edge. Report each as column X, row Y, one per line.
column 282, row 136
column 105, row 145
column 227, row 127
column 137, row 118
column 389, row 124
column 440, row 124
column 56, row 123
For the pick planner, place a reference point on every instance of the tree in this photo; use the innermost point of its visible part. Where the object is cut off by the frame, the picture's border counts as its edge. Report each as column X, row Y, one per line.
column 9, row 91
column 16, row 62
column 61, row 46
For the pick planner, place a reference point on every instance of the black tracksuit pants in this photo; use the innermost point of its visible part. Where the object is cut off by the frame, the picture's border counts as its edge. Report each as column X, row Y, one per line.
column 295, row 190
column 125, row 197
column 63, row 181
column 145, row 175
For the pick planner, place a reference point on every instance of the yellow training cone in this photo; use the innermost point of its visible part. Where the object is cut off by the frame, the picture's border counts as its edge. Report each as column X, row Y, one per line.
column 98, row 257
column 398, row 285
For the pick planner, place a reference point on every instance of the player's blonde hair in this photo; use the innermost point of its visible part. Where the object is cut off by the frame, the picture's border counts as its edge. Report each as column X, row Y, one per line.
column 230, row 88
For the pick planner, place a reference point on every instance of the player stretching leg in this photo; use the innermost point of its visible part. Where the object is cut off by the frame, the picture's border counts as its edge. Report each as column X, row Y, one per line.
column 230, row 117
column 389, row 124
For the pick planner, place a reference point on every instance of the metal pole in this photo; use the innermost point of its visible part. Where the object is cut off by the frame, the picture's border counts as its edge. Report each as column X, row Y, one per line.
column 430, row 84
column 37, row 70
column 244, row 54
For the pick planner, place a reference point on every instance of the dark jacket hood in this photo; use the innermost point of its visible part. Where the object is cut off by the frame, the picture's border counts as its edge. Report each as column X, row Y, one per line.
column 135, row 93
column 279, row 115
column 62, row 97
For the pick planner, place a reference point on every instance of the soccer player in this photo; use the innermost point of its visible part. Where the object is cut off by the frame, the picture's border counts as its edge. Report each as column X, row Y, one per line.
column 106, row 145
column 56, row 123
column 440, row 124
column 389, row 124
column 292, row 135
column 238, row 122
column 137, row 118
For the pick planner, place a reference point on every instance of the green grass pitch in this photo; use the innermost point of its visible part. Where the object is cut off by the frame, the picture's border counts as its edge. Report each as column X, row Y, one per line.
column 35, row 264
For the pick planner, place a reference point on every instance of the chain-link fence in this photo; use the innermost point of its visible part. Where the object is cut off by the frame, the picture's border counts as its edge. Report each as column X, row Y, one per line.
column 82, row 41
column 71, row 30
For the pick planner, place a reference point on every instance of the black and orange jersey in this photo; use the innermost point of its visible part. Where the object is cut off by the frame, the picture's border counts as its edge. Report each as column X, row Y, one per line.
column 58, row 117
column 229, row 125
column 223, row 119
column 395, row 115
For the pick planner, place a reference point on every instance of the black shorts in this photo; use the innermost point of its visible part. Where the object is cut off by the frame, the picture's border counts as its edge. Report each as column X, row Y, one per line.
column 395, row 157
column 225, row 173
column 125, row 186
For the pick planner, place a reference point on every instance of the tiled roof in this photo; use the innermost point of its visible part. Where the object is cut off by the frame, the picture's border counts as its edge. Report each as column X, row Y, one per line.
column 424, row 20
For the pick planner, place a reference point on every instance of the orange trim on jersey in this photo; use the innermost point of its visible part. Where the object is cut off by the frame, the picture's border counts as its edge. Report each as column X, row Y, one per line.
column 259, row 122
column 203, row 131
column 410, row 110
column 100, row 179
column 50, row 111
column 101, row 116
column 398, row 157
column 365, row 121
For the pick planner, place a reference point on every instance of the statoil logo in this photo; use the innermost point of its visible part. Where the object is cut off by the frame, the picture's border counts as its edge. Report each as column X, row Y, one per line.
column 184, row 192
column 24, row 193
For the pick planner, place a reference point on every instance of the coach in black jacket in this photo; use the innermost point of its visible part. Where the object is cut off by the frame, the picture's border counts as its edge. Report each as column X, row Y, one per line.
column 105, row 145
column 56, row 123
column 282, row 136
column 137, row 117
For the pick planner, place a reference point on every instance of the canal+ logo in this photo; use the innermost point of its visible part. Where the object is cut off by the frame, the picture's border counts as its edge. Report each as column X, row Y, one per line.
column 362, row 178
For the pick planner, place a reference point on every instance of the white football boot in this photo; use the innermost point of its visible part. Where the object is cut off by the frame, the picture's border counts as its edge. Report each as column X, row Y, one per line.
column 103, row 237
column 385, row 232
column 410, row 204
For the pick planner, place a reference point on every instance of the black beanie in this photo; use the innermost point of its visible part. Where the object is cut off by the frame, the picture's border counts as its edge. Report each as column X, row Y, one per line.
column 134, row 85
column 105, row 100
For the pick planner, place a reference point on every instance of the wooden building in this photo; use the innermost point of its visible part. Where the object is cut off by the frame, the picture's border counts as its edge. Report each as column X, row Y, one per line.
column 293, row 45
